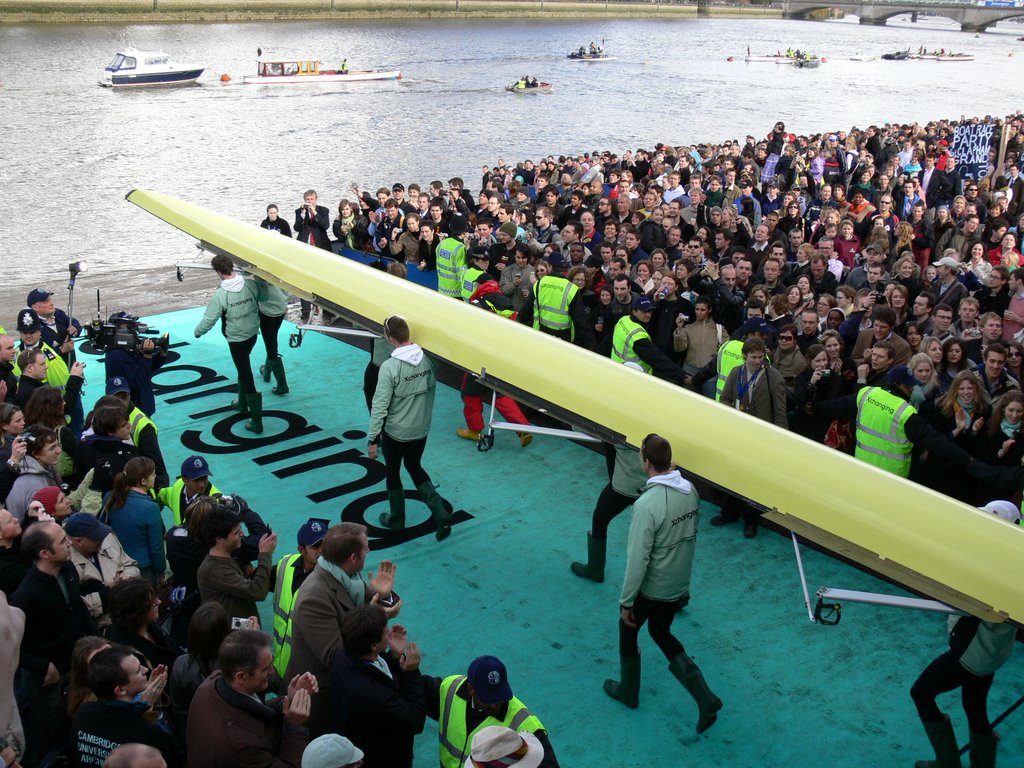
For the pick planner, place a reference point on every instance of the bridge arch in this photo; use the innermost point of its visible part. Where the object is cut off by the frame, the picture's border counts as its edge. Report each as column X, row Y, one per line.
column 880, row 16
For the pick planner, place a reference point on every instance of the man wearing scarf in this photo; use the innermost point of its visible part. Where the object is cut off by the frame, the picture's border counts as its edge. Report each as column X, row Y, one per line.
column 336, row 586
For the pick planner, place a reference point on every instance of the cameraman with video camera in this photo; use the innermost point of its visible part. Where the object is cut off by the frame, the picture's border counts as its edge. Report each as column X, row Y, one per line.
column 135, row 359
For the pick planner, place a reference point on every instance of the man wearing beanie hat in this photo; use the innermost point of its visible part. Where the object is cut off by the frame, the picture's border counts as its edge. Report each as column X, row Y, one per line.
column 54, row 502
column 631, row 343
column 555, row 306
column 503, row 252
column 464, row 705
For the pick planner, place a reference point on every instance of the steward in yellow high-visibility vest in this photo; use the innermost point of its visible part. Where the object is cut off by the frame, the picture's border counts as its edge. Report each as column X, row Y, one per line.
column 30, row 328
column 143, row 430
column 881, row 438
column 464, row 704
column 631, row 343
column 451, row 263
column 475, row 274
column 730, row 354
column 193, row 483
column 555, row 306
column 888, row 428
column 289, row 574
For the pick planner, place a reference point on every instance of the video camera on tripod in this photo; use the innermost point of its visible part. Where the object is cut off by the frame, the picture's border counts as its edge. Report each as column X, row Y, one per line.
column 124, row 331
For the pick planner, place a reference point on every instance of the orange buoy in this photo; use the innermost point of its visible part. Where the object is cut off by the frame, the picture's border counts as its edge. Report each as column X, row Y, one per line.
column 730, row 59
column 823, row 59
column 225, row 78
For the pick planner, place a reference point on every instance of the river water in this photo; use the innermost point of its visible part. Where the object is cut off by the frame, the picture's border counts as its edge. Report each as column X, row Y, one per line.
column 73, row 149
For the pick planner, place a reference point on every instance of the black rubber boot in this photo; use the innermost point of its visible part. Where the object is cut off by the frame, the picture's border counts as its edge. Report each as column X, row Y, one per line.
column 265, row 371
column 255, row 422
column 626, row 690
column 395, row 518
column 277, row 368
column 983, row 750
column 241, row 404
column 435, row 503
column 689, row 674
column 593, row 569
column 943, row 741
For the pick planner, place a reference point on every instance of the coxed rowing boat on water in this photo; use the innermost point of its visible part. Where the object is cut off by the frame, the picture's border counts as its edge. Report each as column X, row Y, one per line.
column 307, row 71
column 942, row 56
column 538, row 88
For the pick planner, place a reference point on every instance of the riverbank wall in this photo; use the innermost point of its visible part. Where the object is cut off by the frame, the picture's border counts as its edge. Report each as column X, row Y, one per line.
column 178, row 11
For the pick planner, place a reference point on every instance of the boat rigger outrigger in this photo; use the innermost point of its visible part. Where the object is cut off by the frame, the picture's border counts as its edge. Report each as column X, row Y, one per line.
column 928, row 542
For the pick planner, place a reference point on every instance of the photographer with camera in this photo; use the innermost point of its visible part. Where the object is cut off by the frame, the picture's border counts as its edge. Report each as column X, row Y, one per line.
column 38, row 469
column 134, row 358
column 221, row 578
column 872, row 256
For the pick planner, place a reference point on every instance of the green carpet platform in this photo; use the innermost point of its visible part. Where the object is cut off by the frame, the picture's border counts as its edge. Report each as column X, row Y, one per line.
column 794, row 693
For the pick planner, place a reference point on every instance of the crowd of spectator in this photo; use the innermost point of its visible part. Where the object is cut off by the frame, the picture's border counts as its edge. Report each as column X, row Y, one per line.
column 859, row 258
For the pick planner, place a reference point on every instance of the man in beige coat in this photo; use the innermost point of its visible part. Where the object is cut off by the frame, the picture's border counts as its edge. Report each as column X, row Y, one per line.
column 100, row 560
column 335, row 587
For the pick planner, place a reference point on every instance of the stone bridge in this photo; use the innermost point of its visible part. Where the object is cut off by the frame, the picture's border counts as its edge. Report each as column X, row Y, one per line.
column 970, row 17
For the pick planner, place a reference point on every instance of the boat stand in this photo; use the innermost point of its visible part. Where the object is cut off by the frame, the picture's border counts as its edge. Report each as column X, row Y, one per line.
column 828, row 609
column 486, row 441
column 295, row 339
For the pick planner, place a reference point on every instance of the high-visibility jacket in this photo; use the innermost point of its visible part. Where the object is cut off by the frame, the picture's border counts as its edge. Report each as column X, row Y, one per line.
column 138, row 421
column 451, row 263
column 452, row 724
column 173, row 497
column 881, row 434
column 469, row 283
column 552, row 296
column 627, row 332
column 730, row 355
column 57, row 372
column 284, row 600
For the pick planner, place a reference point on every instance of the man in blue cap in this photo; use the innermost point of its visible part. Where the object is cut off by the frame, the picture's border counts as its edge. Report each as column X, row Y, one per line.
column 464, row 704
column 57, row 328
column 193, row 482
column 142, row 429
column 287, row 576
column 631, row 343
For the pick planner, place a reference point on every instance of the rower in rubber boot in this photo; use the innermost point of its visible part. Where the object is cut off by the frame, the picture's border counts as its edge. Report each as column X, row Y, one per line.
column 400, row 415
